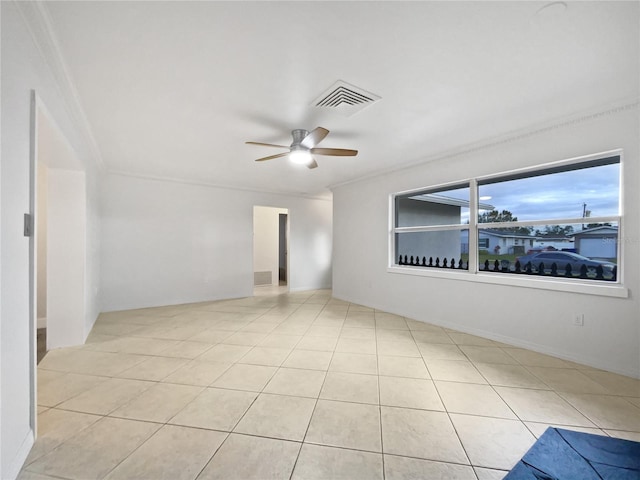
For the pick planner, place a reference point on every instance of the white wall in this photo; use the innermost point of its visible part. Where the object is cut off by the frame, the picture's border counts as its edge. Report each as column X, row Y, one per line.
column 63, row 261
column 57, row 154
column 266, row 240
column 67, row 219
column 538, row 319
column 24, row 69
column 168, row 243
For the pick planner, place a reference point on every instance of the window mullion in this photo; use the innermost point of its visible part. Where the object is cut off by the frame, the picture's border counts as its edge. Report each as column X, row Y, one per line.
column 473, row 226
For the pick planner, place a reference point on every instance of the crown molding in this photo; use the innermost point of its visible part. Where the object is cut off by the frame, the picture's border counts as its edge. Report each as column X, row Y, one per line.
column 509, row 137
column 201, row 183
column 38, row 22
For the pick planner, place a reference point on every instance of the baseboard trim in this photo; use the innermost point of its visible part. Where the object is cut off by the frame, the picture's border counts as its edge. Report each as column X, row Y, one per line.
column 515, row 342
column 302, row 289
column 21, row 456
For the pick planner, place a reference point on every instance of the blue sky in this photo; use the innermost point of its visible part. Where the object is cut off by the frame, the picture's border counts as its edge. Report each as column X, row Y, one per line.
column 560, row 195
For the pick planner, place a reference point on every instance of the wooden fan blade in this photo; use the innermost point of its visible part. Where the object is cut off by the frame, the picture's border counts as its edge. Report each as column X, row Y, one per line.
column 313, row 164
column 266, row 144
column 338, row 152
column 272, row 157
column 314, row 137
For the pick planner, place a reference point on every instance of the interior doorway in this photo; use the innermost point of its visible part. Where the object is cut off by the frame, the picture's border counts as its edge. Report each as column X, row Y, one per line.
column 57, row 232
column 270, row 250
column 282, row 249
column 40, row 239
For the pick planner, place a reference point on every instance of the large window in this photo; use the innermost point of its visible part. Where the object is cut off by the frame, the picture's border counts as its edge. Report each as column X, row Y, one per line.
column 560, row 220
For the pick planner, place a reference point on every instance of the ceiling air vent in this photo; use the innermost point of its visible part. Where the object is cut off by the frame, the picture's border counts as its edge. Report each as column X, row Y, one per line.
column 345, row 99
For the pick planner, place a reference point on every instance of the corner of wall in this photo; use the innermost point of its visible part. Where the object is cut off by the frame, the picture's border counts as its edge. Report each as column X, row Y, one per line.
column 21, row 456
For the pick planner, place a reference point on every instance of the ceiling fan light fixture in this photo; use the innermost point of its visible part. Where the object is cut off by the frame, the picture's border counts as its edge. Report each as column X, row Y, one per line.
column 303, row 148
column 300, row 157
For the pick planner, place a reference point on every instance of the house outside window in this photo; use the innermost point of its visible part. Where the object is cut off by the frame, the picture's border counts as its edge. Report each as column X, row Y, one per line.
column 502, row 224
column 428, row 226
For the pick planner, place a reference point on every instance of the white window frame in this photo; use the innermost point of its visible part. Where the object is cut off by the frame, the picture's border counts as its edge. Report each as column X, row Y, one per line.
column 474, row 274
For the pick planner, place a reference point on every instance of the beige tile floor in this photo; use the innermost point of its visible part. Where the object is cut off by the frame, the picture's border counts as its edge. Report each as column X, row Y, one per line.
column 303, row 386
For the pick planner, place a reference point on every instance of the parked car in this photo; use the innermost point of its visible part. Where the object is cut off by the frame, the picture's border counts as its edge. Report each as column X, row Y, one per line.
column 550, row 248
column 562, row 259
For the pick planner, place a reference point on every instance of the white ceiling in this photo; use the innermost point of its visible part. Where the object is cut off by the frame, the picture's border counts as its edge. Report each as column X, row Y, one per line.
column 174, row 89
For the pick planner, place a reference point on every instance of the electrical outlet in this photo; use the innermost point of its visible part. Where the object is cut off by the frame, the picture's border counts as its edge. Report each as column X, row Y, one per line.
column 578, row 319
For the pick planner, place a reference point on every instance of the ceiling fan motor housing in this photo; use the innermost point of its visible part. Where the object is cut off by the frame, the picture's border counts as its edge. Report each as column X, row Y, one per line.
column 298, row 135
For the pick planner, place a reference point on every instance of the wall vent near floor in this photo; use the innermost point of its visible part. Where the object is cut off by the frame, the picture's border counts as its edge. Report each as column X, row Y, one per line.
column 345, row 98
column 262, row 278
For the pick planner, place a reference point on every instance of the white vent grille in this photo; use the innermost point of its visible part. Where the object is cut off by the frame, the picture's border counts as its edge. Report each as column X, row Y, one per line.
column 345, row 98
column 262, row 278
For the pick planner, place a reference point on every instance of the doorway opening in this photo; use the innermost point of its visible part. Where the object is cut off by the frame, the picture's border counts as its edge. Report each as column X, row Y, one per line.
column 270, row 250
column 282, row 249
column 40, row 240
column 57, row 251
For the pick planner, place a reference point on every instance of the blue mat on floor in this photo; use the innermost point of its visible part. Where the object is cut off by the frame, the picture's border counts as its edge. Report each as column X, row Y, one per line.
column 566, row 455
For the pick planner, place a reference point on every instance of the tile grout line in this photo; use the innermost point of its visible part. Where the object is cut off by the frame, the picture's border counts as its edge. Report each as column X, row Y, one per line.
column 446, row 411
column 306, row 432
column 384, row 473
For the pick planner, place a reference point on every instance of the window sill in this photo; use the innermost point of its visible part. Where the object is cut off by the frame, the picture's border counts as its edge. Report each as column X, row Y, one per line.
column 525, row 281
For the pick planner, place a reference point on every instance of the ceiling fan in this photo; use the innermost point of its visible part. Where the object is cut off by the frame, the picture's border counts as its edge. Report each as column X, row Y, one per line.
column 304, row 147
